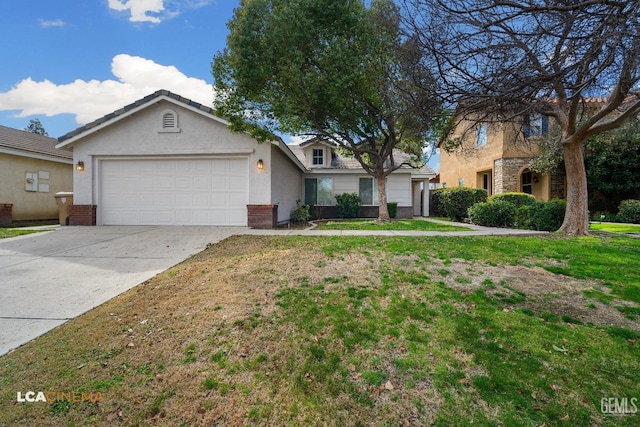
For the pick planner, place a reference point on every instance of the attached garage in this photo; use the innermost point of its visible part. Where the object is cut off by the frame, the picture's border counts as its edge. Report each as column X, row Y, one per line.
column 174, row 191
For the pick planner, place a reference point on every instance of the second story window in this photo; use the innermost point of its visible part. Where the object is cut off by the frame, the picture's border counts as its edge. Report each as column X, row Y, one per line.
column 536, row 126
column 481, row 135
column 318, row 156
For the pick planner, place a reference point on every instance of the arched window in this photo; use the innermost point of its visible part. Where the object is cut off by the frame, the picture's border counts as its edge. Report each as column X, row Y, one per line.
column 169, row 121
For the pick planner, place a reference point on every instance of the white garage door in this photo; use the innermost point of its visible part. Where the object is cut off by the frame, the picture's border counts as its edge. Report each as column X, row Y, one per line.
column 174, row 192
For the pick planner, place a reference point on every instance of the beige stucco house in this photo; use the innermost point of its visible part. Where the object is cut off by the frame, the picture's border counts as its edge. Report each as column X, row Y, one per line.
column 166, row 160
column 32, row 170
column 495, row 156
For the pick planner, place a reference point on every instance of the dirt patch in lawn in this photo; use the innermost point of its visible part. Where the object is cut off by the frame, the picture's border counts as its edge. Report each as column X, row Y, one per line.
column 542, row 291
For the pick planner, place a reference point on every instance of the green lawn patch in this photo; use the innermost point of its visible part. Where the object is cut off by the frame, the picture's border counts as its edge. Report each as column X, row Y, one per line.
column 614, row 228
column 299, row 331
column 13, row 232
column 396, row 224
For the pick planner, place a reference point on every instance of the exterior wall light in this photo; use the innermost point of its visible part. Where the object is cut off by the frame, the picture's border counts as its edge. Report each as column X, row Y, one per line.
column 80, row 166
column 260, row 164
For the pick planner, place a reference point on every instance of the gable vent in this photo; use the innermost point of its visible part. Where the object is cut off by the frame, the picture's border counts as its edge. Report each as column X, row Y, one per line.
column 168, row 121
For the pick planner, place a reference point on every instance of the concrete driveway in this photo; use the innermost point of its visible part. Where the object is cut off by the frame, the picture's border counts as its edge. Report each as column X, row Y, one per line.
column 49, row 278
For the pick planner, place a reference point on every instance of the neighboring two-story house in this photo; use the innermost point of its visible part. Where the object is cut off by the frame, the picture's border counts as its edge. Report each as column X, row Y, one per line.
column 495, row 156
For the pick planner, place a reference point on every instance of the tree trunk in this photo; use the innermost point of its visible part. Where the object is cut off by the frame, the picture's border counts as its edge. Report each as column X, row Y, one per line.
column 383, row 211
column 576, row 217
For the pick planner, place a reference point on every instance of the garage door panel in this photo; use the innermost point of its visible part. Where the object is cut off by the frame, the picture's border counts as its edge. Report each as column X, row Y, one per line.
column 174, row 192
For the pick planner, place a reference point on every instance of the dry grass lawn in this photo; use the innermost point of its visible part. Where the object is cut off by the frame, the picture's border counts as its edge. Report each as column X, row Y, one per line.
column 301, row 331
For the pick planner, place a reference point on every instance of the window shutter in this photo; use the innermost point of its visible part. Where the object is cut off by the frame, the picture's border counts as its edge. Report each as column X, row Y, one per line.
column 545, row 125
column 527, row 128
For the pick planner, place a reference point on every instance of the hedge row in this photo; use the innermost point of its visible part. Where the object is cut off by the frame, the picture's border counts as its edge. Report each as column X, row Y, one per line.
column 455, row 202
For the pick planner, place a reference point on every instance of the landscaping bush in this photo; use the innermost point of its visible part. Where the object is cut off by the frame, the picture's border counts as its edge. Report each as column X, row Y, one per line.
column 348, row 205
column 302, row 213
column 493, row 214
column 547, row 216
column 436, row 202
column 516, row 199
column 392, row 207
column 457, row 201
column 629, row 211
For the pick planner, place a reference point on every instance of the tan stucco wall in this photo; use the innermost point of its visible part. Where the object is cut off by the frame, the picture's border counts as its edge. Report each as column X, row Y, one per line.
column 137, row 135
column 28, row 205
column 468, row 162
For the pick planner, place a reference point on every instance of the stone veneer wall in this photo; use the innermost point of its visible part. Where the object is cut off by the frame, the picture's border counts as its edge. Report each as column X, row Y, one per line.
column 506, row 174
column 82, row 215
column 557, row 187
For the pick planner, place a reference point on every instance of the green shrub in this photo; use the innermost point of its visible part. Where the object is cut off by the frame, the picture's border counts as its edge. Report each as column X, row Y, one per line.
column 523, row 217
column 348, row 205
column 457, row 201
column 493, row 214
column 302, row 213
column 629, row 211
column 516, row 199
column 547, row 216
column 436, row 202
column 392, row 207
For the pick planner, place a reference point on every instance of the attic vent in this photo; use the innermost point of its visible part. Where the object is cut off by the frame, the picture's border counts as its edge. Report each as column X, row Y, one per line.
column 169, row 122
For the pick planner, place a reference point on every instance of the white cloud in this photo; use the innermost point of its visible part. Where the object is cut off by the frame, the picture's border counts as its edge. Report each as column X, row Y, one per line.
column 88, row 100
column 48, row 24
column 298, row 139
column 155, row 11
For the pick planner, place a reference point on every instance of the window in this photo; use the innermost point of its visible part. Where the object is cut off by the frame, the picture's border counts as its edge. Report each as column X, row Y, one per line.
column 481, row 135
column 318, row 156
column 526, row 182
column 368, row 191
column 536, row 125
column 318, row 191
column 169, row 121
column 486, row 182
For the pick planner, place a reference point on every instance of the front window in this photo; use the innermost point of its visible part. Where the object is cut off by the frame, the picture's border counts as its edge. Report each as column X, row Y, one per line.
column 318, row 191
column 368, row 191
column 318, row 156
column 526, row 182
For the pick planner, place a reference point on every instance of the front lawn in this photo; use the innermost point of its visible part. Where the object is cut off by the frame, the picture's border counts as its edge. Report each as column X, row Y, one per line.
column 347, row 331
column 615, row 228
column 396, row 224
column 13, row 232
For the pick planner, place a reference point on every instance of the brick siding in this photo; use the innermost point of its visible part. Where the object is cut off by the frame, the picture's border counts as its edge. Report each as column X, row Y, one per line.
column 6, row 215
column 262, row 216
column 82, row 215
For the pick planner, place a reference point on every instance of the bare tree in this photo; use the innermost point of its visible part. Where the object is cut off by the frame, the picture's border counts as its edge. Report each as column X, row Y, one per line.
column 506, row 59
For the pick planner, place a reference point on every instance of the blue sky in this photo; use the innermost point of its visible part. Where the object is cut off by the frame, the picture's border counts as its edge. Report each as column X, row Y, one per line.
column 69, row 62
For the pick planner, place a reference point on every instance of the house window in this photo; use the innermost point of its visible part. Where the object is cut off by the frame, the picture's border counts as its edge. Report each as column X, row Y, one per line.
column 537, row 125
column 318, row 156
column 318, row 191
column 169, row 121
column 368, row 189
column 526, row 183
column 481, row 135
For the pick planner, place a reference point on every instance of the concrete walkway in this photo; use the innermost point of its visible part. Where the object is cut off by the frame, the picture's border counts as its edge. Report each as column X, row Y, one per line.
column 50, row 277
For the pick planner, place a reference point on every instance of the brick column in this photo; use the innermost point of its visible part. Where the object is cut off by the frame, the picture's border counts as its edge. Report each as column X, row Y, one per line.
column 82, row 215
column 6, row 213
column 262, row 216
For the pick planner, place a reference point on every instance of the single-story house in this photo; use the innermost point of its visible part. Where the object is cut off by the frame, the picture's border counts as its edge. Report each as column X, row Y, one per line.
column 32, row 170
column 166, row 160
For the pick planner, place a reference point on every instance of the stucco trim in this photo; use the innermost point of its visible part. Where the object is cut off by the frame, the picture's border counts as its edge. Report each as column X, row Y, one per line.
column 32, row 155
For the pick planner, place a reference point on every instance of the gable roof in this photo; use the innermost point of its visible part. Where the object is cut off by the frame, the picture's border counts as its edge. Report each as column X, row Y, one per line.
column 160, row 95
column 27, row 144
